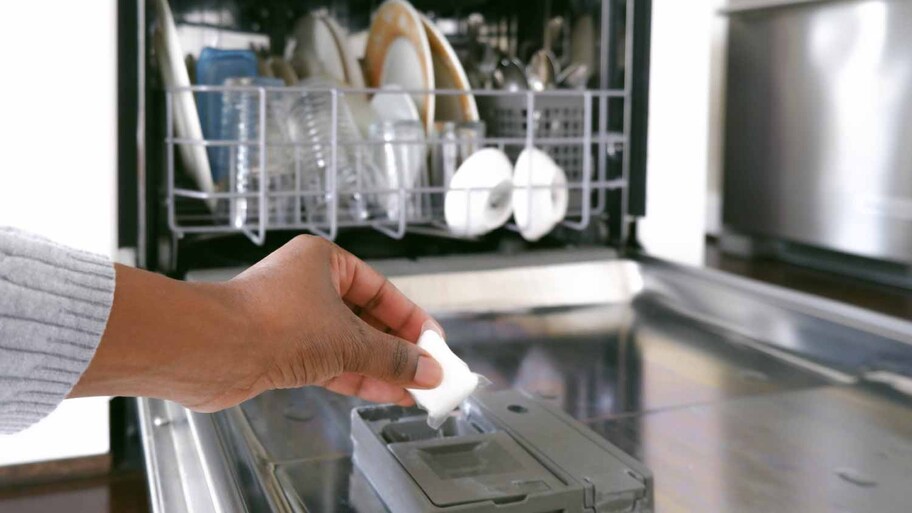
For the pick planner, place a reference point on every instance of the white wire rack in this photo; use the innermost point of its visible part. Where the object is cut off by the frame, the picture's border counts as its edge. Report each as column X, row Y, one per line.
column 302, row 162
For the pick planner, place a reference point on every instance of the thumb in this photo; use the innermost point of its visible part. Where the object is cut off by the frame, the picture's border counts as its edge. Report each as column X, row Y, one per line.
column 392, row 359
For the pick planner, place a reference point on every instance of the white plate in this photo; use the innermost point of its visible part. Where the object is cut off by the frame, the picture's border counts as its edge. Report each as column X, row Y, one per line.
column 398, row 53
column 357, row 102
column 316, row 52
column 449, row 74
column 394, row 106
column 537, row 211
column 186, row 118
column 354, row 75
column 479, row 197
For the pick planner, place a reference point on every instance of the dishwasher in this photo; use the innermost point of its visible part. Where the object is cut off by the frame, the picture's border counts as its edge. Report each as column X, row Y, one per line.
column 489, row 158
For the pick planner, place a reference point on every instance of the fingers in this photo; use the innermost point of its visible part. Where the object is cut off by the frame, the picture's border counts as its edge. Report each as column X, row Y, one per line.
column 373, row 322
column 369, row 389
column 433, row 325
column 361, row 285
column 390, row 359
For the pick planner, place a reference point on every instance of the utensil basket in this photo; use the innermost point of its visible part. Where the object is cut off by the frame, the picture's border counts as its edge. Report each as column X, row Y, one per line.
column 553, row 117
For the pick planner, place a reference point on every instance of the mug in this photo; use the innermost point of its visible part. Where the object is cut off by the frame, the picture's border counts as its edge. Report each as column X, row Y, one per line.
column 539, row 194
column 478, row 198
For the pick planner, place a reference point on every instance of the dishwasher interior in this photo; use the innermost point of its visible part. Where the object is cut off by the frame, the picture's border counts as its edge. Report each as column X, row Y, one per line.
column 370, row 130
column 714, row 393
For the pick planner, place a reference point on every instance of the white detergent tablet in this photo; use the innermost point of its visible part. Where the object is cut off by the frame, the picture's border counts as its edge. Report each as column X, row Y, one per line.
column 458, row 381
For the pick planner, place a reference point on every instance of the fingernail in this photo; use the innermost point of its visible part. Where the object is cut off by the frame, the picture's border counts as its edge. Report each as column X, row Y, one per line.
column 429, row 373
column 432, row 325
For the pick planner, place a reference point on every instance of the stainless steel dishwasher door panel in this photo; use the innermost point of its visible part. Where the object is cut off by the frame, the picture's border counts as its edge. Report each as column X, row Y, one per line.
column 299, row 424
column 598, row 361
column 818, row 110
column 835, row 449
column 328, row 485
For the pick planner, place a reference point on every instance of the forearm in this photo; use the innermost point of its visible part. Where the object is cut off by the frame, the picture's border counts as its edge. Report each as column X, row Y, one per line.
column 171, row 339
column 309, row 314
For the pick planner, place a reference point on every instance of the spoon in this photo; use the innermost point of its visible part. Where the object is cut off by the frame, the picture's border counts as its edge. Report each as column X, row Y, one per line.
column 575, row 76
column 509, row 75
column 542, row 70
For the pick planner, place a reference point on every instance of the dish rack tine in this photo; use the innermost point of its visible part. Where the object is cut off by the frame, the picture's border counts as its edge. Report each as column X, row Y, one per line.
column 602, row 165
column 317, row 231
column 169, row 157
column 530, row 133
column 587, row 167
column 260, row 237
column 401, row 225
column 333, row 170
column 397, row 234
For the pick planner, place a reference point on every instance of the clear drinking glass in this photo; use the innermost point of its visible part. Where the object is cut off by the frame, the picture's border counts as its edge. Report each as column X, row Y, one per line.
column 240, row 121
column 400, row 156
column 310, row 126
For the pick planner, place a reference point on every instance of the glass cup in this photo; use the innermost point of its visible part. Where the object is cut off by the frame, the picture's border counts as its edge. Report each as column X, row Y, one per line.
column 400, row 158
column 309, row 120
column 240, row 121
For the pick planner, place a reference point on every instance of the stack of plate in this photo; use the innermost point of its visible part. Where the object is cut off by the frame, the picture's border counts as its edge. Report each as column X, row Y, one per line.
column 400, row 37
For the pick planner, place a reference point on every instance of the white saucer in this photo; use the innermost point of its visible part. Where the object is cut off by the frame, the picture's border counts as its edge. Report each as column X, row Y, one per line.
column 478, row 199
column 316, row 52
column 538, row 210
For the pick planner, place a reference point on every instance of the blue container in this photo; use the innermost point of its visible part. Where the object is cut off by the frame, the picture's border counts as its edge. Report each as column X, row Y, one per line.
column 213, row 68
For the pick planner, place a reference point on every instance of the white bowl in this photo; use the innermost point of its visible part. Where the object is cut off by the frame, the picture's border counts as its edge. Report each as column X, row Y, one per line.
column 539, row 194
column 478, row 199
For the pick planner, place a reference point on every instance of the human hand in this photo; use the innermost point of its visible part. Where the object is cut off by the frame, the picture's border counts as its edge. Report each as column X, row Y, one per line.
column 308, row 314
column 329, row 319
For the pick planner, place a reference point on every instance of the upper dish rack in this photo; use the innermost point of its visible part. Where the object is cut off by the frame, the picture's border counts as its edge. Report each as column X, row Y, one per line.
column 308, row 158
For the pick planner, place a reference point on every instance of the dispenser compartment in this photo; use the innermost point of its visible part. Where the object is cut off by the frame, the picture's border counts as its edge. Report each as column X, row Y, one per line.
column 502, row 452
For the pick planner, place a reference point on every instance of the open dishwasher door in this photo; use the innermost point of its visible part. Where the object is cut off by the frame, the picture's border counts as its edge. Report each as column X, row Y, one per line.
column 736, row 396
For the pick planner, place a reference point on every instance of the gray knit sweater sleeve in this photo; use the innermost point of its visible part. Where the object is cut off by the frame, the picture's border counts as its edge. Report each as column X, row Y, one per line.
column 54, row 304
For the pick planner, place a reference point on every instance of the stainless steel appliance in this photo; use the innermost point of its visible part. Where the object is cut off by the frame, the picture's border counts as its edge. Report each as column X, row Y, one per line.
column 736, row 396
column 817, row 102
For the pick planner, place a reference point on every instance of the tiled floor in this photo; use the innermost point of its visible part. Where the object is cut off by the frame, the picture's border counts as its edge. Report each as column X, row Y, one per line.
column 125, row 492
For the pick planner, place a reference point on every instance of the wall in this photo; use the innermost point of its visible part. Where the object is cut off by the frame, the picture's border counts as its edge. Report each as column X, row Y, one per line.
column 679, row 129
column 58, row 159
column 715, row 157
